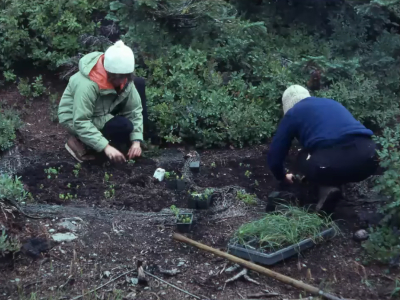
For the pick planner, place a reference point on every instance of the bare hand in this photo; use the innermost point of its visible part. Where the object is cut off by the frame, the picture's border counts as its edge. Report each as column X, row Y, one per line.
column 135, row 150
column 113, row 154
column 289, row 178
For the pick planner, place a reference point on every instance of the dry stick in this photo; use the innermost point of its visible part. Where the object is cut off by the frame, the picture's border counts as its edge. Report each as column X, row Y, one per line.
column 175, row 287
column 285, row 279
column 103, row 285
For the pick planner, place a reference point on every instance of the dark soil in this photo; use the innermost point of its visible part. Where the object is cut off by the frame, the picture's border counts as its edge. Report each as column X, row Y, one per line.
column 115, row 242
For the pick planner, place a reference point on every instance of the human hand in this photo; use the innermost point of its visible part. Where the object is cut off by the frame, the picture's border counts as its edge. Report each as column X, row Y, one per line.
column 289, row 178
column 135, row 150
column 113, row 154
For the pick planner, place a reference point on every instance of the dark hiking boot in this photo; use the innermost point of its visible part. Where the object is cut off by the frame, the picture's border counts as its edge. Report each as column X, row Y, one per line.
column 328, row 197
column 77, row 149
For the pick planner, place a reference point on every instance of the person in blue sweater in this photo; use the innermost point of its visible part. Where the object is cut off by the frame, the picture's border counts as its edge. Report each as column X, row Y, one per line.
column 336, row 148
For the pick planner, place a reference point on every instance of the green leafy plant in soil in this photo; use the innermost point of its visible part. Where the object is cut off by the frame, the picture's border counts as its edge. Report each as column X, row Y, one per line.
column 183, row 218
column 283, row 228
column 8, row 244
column 9, row 124
column 11, row 188
column 246, row 198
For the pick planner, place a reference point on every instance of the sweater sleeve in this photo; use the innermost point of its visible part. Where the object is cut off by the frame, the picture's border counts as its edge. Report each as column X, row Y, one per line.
column 280, row 146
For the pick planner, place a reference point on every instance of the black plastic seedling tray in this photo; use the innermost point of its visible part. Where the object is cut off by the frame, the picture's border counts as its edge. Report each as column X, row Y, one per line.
column 198, row 202
column 275, row 257
column 184, row 227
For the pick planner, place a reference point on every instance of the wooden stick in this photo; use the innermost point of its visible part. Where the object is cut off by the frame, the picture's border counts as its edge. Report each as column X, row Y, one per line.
column 280, row 277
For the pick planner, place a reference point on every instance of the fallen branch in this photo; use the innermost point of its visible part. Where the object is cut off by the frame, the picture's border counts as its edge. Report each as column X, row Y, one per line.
column 280, row 277
column 103, row 285
column 175, row 287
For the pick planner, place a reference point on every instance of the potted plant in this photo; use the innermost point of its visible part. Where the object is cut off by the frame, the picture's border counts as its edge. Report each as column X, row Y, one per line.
column 183, row 220
column 181, row 183
column 195, row 166
column 170, row 180
column 200, row 200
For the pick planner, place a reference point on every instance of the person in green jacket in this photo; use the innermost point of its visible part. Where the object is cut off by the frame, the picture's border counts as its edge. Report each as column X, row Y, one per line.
column 101, row 107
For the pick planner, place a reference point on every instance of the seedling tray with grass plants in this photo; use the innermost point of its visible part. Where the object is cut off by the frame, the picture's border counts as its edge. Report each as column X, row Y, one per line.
column 281, row 235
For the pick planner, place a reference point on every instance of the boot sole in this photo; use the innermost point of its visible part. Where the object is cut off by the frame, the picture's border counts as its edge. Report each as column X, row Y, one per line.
column 73, row 153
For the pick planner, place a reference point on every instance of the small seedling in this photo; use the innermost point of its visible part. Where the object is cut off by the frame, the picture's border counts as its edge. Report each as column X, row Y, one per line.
column 184, row 218
column 174, row 210
column 69, row 185
column 52, row 172
column 107, row 177
column 240, row 164
column 168, row 175
column 131, row 162
column 68, row 196
column 248, row 199
column 110, row 193
column 247, row 174
column 41, row 186
column 256, row 183
column 213, row 165
column 77, row 169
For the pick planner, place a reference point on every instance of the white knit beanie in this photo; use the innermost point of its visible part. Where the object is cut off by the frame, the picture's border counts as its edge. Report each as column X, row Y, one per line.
column 119, row 59
column 293, row 95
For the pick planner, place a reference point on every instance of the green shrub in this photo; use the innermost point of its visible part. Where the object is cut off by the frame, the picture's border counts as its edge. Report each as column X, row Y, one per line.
column 12, row 188
column 45, row 32
column 9, row 123
column 9, row 76
column 7, row 244
column 384, row 242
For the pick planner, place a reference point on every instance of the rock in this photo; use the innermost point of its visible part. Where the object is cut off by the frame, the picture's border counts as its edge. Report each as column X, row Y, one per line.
column 361, row 235
column 181, row 263
column 134, row 281
column 52, row 230
column 106, row 274
column 130, row 296
column 68, row 225
column 64, row 237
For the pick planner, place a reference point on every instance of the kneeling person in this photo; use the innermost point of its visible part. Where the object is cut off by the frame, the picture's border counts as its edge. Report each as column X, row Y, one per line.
column 101, row 107
column 337, row 149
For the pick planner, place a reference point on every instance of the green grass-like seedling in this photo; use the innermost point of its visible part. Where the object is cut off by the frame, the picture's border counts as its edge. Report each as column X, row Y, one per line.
column 283, row 228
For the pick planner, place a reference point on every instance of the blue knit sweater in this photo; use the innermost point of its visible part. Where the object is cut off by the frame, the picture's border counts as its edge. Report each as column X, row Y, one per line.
column 316, row 123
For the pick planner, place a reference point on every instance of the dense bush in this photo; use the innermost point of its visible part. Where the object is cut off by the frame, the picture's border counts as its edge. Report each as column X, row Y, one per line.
column 384, row 242
column 9, row 123
column 217, row 78
column 45, row 32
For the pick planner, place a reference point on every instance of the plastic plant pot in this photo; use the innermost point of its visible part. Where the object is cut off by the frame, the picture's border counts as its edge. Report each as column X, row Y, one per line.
column 195, row 166
column 192, row 202
column 171, row 184
column 182, row 184
column 203, row 202
column 184, row 227
column 277, row 256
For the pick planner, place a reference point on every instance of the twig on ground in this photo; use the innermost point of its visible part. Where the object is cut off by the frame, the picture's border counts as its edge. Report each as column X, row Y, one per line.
column 243, row 274
column 158, row 298
column 103, row 285
column 175, row 287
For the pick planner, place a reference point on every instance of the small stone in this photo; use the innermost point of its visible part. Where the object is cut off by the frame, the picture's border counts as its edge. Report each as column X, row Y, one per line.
column 52, row 230
column 181, row 263
column 64, row 237
column 179, row 282
column 146, row 288
column 17, row 280
column 130, row 296
column 361, row 235
column 107, row 274
column 134, row 281
column 163, row 293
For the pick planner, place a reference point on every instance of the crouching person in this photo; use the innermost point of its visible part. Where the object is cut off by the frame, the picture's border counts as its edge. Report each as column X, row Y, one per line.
column 337, row 149
column 101, row 108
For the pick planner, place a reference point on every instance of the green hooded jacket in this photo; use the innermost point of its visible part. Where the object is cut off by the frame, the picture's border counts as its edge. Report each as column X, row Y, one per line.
column 89, row 102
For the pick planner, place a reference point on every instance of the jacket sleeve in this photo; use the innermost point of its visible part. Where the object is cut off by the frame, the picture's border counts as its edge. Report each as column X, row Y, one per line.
column 84, row 103
column 133, row 112
column 280, row 146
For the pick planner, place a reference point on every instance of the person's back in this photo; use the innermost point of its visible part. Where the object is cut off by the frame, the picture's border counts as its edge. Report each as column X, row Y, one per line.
column 336, row 148
column 320, row 122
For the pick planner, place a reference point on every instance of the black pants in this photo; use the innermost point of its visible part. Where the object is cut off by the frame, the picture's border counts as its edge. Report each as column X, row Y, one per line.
column 117, row 131
column 351, row 161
